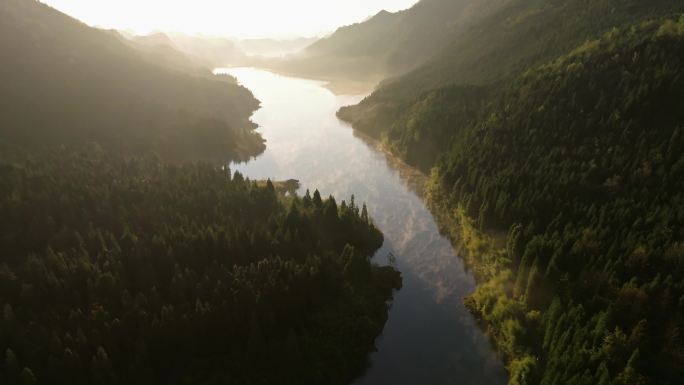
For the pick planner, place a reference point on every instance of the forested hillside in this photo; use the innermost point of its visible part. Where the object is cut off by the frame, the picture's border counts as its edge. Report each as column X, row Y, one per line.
column 579, row 158
column 130, row 271
column 122, row 263
column 583, row 160
column 385, row 45
column 64, row 82
column 499, row 39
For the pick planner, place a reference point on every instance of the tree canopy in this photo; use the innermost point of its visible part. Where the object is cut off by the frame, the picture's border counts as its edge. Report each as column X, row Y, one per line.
column 578, row 157
column 132, row 271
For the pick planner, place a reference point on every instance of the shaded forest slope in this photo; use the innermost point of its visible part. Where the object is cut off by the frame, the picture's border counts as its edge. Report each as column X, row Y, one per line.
column 64, row 82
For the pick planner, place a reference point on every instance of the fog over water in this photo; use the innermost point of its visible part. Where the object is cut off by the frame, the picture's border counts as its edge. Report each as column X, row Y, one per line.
column 430, row 337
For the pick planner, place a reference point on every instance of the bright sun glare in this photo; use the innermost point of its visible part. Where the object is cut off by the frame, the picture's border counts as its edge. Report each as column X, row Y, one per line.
column 238, row 18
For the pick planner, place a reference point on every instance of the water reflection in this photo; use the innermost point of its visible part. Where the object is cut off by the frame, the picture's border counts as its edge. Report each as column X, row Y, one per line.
column 430, row 337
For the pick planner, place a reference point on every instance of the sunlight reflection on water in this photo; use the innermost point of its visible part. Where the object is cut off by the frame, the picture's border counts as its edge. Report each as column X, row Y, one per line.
column 430, row 337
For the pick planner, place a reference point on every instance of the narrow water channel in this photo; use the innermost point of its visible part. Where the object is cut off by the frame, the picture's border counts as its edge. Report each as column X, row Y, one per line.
column 430, row 338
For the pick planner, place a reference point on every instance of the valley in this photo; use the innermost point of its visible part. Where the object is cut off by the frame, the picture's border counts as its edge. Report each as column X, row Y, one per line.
column 451, row 191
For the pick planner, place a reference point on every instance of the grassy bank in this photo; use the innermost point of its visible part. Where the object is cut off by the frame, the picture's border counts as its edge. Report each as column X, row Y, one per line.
column 499, row 311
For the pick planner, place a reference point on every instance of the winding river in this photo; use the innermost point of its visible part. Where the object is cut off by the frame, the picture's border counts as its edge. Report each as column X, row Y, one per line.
column 430, row 337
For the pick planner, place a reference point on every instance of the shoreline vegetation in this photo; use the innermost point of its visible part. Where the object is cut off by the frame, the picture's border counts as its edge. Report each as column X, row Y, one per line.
column 483, row 252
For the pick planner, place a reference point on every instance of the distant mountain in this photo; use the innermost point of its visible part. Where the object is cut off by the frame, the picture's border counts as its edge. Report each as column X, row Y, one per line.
column 385, row 45
column 64, row 82
column 160, row 50
column 214, row 51
column 274, row 47
column 155, row 39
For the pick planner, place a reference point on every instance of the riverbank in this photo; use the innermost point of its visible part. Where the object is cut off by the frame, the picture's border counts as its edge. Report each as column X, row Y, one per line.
column 430, row 337
column 495, row 303
column 484, row 254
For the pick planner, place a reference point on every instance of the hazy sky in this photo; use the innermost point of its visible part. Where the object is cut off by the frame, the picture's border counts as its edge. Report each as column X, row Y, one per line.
column 240, row 18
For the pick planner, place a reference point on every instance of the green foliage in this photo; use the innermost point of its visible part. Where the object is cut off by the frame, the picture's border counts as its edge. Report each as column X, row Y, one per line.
column 522, row 371
column 130, row 271
column 563, row 126
column 422, row 113
column 589, row 149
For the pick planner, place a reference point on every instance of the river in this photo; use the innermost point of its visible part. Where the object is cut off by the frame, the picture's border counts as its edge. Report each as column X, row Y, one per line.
column 430, row 338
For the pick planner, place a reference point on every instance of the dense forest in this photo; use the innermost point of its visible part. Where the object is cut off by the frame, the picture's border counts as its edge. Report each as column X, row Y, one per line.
column 123, row 260
column 67, row 83
column 130, row 271
column 553, row 132
column 499, row 39
column 560, row 170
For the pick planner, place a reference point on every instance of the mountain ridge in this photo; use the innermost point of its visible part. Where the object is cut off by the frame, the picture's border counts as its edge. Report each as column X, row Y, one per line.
column 385, row 45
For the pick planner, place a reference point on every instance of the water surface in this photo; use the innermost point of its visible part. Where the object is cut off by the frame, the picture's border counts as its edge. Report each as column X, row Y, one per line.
column 430, row 337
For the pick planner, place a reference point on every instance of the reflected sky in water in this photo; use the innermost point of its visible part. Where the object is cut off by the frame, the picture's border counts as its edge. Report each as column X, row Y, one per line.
column 430, row 337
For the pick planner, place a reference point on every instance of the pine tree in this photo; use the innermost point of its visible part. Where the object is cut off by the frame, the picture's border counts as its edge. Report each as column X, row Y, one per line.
column 364, row 214
column 317, row 199
column 306, row 201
